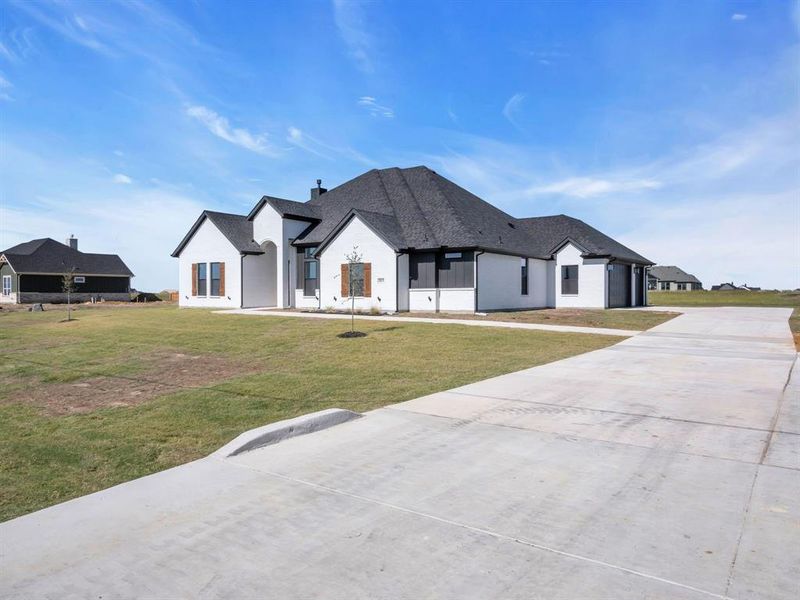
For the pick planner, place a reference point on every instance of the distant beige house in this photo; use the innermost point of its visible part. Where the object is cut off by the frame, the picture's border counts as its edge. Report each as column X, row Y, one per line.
column 671, row 279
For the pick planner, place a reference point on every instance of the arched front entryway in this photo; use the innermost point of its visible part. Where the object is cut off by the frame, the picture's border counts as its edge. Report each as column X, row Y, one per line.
column 260, row 277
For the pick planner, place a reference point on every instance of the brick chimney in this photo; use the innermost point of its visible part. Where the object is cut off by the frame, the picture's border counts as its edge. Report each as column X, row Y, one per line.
column 72, row 242
column 316, row 192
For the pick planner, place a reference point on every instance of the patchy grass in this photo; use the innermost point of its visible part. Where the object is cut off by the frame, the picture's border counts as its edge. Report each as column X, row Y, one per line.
column 734, row 298
column 637, row 320
column 138, row 402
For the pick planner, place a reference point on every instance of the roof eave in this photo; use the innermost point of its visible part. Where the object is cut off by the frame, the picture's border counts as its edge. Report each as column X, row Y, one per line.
column 8, row 262
column 343, row 223
column 187, row 238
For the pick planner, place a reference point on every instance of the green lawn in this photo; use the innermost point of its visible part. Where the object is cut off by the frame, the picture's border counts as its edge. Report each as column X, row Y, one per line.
column 126, row 391
column 636, row 320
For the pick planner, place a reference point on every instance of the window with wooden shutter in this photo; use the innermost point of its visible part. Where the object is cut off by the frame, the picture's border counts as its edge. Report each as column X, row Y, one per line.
column 194, row 279
column 221, row 279
column 345, row 277
column 367, row 280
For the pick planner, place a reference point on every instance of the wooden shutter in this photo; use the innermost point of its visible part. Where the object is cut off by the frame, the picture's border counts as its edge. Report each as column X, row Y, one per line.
column 194, row 279
column 221, row 279
column 367, row 280
column 345, row 280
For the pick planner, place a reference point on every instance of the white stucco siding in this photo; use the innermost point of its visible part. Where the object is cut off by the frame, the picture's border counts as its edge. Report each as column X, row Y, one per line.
column 422, row 300
column 259, row 272
column 209, row 245
column 373, row 250
column 591, row 280
column 301, row 301
column 457, row 299
column 269, row 225
column 500, row 282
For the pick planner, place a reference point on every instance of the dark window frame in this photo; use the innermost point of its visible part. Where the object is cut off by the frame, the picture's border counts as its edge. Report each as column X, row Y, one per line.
column 310, row 284
column 214, row 282
column 523, row 277
column 570, row 284
column 352, row 288
column 202, row 279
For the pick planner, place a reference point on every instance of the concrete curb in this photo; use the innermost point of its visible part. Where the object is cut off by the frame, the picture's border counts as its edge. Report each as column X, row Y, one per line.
column 283, row 430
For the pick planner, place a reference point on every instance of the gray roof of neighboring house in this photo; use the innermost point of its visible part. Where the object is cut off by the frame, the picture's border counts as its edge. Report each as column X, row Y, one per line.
column 550, row 232
column 236, row 228
column 46, row 255
column 672, row 273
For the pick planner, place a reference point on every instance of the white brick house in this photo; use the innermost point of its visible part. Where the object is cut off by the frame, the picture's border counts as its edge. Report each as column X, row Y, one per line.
column 426, row 244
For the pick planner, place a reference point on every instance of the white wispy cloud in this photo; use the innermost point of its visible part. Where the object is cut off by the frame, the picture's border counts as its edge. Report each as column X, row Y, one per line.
column 738, row 17
column 296, row 137
column 145, row 30
column 313, row 145
column 351, row 24
column 53, row 195
column 221, row 127
column 374, row 108
column 60, row 19
column 122, row 178
column 16, row 44
column 548, row 57
column 716, row 208
column 512, row 106
column 587, row 187
column 5, row 87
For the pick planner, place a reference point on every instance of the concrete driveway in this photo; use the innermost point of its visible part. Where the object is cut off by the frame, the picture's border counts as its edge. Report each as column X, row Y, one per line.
column 663, row 467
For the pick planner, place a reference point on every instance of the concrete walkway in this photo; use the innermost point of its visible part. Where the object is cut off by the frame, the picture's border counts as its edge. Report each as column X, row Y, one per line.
column 665, row 466
column 271, row 312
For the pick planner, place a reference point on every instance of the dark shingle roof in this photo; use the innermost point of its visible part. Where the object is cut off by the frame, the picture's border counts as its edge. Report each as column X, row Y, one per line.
column 49, row 256
column 416, row 208
column 550, row 232
column 236, row 228
column 430, row 212
column 287, row 208
column 672, row 273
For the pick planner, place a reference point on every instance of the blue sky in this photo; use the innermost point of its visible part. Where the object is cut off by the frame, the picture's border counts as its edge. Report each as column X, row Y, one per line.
column 673, row 126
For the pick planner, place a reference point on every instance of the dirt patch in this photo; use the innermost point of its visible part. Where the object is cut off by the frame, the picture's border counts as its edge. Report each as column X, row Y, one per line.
column 165, row 374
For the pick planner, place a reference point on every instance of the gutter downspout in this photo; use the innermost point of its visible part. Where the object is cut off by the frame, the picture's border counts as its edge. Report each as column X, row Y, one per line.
column 397, row 282
column 477, row 254
column 241, row 280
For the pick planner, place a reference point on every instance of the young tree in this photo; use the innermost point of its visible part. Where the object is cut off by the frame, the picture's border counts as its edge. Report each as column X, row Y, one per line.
column 68, row 285
column 354, row 258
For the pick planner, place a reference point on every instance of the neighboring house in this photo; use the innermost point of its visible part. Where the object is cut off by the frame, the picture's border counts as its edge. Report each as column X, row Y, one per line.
column 671, row 279
column 34, row 271
column 726, row 287
column 426, row 245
